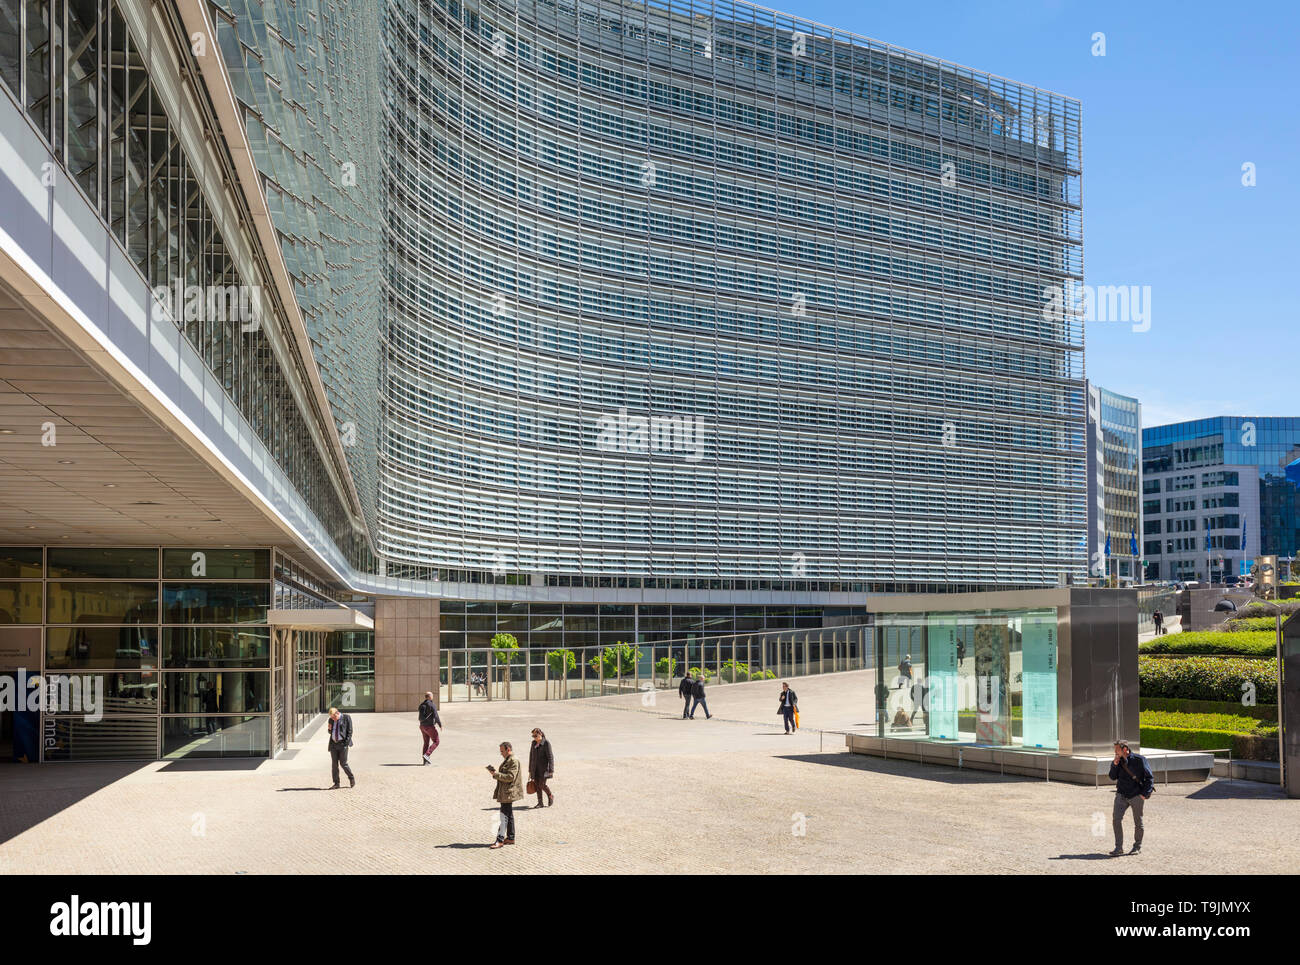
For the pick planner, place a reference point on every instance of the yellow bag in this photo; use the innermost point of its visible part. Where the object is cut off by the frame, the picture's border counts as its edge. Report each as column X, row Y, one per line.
column 796, row 720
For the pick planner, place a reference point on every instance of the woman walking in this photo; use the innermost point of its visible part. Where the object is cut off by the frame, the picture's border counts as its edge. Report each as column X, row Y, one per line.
column 541, row 767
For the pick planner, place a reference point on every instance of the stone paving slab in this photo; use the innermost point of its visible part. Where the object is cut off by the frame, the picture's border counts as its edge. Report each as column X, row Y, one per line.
column 638, row 790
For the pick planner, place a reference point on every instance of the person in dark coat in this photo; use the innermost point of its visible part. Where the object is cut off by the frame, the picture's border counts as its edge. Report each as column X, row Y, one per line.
column 685, row 690
column 1158, row 619
column 429, row 724
column 339, row 729
column 541, row 766
column 697, row 692
column 1134, row 784
column 789, row 704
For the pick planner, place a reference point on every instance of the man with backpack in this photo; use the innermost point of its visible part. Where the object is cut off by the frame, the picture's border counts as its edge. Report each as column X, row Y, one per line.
column 429, row 724
column 1134, row 785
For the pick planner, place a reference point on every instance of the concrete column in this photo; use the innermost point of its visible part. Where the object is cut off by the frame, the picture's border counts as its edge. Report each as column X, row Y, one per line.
column 406, row 653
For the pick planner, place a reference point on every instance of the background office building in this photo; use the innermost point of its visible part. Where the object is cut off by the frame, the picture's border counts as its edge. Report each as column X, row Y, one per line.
column 578, row 321
column 1217, row 492
column 1114, row 485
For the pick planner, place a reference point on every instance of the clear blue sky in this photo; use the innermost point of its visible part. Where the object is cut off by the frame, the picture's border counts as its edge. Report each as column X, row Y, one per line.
column 1186, row 93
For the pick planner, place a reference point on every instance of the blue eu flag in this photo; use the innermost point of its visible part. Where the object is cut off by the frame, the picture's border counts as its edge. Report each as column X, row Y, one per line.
column 1132, row 542
column 1108, row 544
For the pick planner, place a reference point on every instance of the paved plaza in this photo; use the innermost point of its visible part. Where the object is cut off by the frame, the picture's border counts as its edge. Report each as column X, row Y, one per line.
column 638, row 790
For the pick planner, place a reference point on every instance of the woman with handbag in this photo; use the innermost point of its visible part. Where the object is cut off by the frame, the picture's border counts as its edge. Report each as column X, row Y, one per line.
column 541, row 768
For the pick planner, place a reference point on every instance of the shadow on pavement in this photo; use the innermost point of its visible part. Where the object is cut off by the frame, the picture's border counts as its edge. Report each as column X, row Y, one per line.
column 939, row 773
column 459, row 846
column 216, row 764
column 1221, row 790
column 1090, row 856
column 36, row 792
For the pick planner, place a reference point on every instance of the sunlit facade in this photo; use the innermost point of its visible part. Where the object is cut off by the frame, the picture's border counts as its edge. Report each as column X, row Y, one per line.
column 825, row 257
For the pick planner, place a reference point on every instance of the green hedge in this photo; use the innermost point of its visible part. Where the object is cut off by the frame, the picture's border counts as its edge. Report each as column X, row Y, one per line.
column 1253, row 610
column 1247, row 624
column 1264, row 712
column 1231, row 722
column 1244, row 746
column 1243, row 644
column 1207, row 678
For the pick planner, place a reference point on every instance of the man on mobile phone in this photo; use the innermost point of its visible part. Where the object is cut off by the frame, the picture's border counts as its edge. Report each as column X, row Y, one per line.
column 1134, row 785
column 509, row 789
column 339, row 728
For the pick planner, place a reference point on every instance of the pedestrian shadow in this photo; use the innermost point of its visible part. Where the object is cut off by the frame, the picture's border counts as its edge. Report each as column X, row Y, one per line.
column 302, row 789
column 461, row 846
column 1087, row 856
column 401, row 765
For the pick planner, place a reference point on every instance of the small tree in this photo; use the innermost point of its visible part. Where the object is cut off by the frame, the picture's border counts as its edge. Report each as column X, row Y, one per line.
column 505, row 650
column 561, row 663
column 616, row 659
column 666, row 667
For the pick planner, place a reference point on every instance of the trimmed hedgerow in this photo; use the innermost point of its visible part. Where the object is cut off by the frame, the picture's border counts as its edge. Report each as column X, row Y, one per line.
column 1249, row 624
column 1251, row 747
column 1210, row 642
column 1181, row 705
column 1208, row 678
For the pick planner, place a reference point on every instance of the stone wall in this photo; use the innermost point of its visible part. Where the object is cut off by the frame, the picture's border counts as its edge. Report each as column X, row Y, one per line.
column 406, row 653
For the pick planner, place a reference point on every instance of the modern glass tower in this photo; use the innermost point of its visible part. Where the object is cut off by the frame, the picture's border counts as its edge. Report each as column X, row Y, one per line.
column 816, row 262
column 1219, row 492
column 1114, row 485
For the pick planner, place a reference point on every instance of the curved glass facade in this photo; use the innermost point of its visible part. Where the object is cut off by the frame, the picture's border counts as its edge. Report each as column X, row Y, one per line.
column 703, row 291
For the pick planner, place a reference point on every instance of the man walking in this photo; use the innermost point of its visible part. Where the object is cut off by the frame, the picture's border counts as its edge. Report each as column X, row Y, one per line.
column 684, row 690
column 429, row 724
column 789, row 704
column 697, row 691
column 1134, row 785
column 1158, row 619
column 509, row 789
column 339, row 727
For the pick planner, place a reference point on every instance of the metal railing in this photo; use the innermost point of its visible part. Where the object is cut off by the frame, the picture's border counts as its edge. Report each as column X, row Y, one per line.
column 563, row 673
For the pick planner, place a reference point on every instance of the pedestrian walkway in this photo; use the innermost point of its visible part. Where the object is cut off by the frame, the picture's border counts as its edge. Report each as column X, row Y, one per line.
column 637, row 789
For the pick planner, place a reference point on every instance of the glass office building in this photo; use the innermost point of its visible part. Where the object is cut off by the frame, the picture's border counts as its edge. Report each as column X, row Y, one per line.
column 1114, row 486
column 818, row 259
column 1217, row 493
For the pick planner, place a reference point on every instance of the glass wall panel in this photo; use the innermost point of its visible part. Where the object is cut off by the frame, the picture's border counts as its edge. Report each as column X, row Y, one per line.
column 223, row 564
column 103, row 563
column 21, row 602
column 20, row 562
column 195, row 647
column 110, row 739
column 101, row 647
column 205, row 737
column 216, row 692
column 102, row 603
column 985, row 677
column 215, row 602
